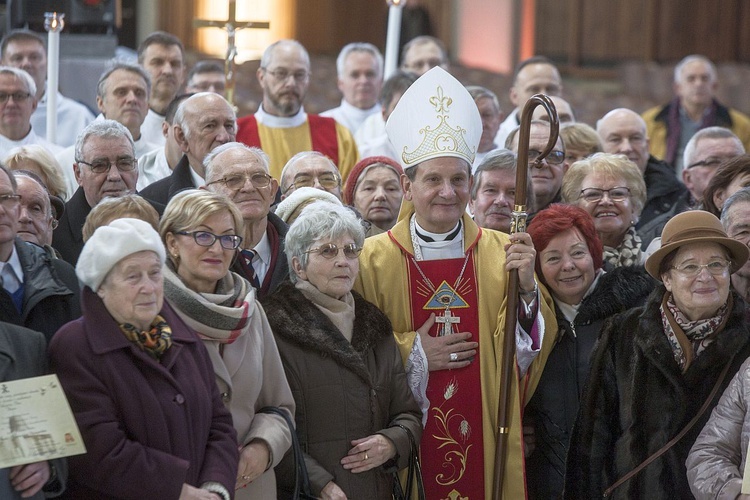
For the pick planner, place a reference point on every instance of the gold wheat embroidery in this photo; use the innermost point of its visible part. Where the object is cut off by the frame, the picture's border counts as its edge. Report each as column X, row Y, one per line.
column 457, row 452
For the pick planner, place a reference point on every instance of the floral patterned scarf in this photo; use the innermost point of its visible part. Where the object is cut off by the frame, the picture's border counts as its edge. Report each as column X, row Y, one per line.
column 689, row 339
column 155, row 341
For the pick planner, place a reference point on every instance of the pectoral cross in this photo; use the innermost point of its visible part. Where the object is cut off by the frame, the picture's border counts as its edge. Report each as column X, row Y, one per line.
column 447, row 320
column 231, row 27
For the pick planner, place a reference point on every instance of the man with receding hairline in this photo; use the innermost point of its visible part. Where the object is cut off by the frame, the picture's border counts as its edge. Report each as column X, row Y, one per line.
column 423, row 53
column 535, row 75
column 202, row 122
column 360, row 76
column 623, row 131
column 281, row 127
column 121, row 95
column 694, row 107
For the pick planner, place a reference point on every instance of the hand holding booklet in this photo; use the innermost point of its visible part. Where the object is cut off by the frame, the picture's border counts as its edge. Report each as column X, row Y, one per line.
column 36, row 422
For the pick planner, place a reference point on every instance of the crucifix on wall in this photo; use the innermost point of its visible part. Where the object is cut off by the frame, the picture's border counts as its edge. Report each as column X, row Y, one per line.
column 231, row 27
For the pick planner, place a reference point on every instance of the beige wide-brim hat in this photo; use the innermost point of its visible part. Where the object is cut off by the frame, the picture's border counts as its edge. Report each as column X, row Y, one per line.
column 695, row 226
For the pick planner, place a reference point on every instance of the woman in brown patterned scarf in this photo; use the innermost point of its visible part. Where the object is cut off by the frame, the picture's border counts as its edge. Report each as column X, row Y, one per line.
column 611, row 189
column 658, row 367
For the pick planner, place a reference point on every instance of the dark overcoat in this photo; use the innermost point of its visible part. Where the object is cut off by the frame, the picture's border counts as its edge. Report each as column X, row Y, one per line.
column 342, row 391
column 638, row 399
column 148, row 426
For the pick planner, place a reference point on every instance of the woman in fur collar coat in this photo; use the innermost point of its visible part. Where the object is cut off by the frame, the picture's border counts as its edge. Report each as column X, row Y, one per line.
column 341, row 362
column 655, row 366
column 569, row 262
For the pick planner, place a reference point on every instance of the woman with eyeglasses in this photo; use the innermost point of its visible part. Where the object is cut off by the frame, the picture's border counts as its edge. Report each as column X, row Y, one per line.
column 658, row 370
column 342, row 363
column 611, row 189
column 199, row 230
column 569, row 263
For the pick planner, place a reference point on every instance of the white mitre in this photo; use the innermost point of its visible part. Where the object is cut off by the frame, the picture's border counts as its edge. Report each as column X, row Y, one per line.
column 435, row 117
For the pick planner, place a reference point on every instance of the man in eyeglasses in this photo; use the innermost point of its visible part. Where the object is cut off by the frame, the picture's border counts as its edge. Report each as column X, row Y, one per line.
column 17, row 103
column 704, row 152
column 26, row 50
column 202, row 122
column 623, row 131
column 310, row 169
column 35, row 291
column 241, row 173
column 547, row 178
column 281, row 127
column 105, row 167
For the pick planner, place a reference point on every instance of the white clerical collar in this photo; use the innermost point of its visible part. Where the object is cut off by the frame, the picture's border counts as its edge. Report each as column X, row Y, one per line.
column 440, row 247
column 281, row 121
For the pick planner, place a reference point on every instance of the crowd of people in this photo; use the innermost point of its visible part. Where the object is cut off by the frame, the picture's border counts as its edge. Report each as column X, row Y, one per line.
column 183, row 271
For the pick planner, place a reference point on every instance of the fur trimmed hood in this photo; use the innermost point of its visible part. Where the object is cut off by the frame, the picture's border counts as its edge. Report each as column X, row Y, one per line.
column 293, row 317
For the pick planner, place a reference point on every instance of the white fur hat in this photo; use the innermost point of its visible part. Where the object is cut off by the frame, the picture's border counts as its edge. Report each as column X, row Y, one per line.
column 302, row 196
column 435, row 117
column 110, row 244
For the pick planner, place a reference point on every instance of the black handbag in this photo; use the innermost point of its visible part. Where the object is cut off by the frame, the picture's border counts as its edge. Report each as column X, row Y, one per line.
column 301, row 479
column 414, row 473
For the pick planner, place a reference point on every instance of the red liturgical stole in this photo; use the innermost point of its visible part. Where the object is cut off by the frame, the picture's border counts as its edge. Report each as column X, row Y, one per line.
column 452, row 445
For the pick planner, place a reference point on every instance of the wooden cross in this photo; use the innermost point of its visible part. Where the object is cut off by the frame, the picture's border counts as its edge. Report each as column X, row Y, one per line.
column 447, row 320
column 231, row 27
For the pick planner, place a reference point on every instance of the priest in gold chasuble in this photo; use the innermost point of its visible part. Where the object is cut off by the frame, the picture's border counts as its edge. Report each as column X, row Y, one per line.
column 442, row 281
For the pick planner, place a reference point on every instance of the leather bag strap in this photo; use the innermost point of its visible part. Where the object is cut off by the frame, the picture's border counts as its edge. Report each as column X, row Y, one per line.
column 661, row 451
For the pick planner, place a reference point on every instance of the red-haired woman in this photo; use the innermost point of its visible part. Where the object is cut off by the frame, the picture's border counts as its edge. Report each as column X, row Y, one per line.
column 569, row 262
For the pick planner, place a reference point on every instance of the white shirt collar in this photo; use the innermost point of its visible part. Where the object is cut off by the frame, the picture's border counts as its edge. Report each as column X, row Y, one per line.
column 198, row 181
column 281, row 121
column 15, row 263
column 263, row 248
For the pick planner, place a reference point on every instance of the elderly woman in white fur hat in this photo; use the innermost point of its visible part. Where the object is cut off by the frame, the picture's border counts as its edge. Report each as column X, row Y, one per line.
column 139, row 381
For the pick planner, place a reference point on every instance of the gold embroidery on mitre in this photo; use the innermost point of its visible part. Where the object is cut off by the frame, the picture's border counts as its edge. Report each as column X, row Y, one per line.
column 441, row 139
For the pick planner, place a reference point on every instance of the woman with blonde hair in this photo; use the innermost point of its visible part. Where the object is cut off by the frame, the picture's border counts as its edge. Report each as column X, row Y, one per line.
column 37, row 159
column 200, row 232
column 612, row 190
column 109, row 209
column 581, row 141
